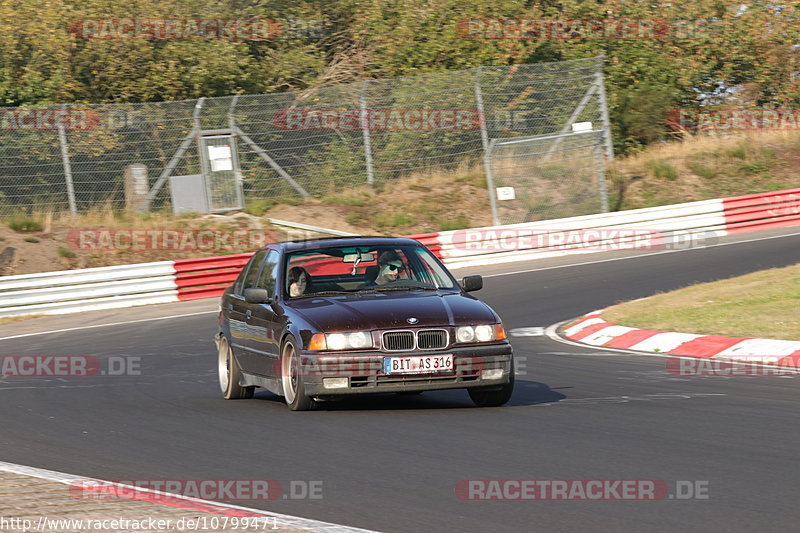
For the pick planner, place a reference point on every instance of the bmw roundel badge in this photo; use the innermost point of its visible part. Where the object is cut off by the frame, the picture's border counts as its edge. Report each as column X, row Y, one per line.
column 412, row 320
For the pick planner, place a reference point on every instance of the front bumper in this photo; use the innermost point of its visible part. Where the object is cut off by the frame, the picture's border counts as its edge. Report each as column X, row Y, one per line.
column 364, row 371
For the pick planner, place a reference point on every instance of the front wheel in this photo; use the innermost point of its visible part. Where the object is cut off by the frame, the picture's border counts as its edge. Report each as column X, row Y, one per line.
column 493, row 398
column 230, row 374
column 292, row 379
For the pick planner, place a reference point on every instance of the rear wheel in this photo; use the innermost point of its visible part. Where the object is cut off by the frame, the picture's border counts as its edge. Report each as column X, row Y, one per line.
column 292, row 379
column 493, row 398
column 230, row 374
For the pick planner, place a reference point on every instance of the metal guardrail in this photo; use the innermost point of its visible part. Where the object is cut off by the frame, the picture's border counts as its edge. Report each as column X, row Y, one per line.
column 762, row 211
column 170, row 281
column 308, row 228
column 88, row 289
column 208, row 276
column 652, row 227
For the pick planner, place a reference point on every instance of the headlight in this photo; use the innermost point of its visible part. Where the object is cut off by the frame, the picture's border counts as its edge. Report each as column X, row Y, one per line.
column 465, row 334
column 341, row 341
column 481, row 333
column 359, row 339
column 336, row 341
column 484, row 333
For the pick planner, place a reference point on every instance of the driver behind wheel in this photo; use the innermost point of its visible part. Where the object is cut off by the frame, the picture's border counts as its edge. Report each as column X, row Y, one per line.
column 390, row 266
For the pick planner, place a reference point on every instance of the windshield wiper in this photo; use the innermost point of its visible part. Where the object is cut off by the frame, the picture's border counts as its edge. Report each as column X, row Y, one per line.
column 321, row 293
column 382, row 288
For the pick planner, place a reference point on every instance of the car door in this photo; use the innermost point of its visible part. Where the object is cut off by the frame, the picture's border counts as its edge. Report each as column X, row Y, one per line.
column 265, row 324
column 238, row 310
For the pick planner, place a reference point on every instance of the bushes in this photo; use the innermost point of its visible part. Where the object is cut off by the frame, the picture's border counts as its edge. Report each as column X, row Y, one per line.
column 24, row 224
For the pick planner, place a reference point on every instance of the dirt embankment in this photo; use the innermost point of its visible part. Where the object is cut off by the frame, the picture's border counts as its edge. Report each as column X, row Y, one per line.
column 696, row 169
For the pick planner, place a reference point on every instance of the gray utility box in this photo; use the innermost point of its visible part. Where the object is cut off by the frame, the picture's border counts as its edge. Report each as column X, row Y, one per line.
column 188, row 194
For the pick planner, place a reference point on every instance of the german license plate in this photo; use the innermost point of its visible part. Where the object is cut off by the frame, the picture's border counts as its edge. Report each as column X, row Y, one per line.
column 418, row 364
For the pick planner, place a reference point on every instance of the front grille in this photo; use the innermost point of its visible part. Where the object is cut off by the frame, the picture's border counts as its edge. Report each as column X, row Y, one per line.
column 398, row 340
column 407, row 340
column 414, row 380
column 431, row 339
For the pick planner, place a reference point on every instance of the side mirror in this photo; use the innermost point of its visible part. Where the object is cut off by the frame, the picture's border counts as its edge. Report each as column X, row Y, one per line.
column 256, row 296
column 472, row 283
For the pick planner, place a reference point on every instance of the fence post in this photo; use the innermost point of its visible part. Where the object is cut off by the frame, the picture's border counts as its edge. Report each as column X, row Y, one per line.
column 601, row 88
column 232, row 126
column 231, row 112
column 601, row 171
column 362, row 100
column 487, row 161
column 62, row 139
column 198, row 108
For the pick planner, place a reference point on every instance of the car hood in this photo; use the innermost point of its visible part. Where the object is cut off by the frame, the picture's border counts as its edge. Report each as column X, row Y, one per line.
column 391, row 310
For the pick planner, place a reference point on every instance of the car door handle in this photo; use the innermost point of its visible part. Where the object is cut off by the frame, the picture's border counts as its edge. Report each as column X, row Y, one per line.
column 248, row 314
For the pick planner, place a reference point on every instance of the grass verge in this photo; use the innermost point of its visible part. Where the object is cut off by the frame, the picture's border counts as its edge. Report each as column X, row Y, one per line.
column 763, row 304
column 12, row 319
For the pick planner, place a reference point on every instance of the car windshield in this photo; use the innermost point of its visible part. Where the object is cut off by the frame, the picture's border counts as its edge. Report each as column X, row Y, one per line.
column 350, row 269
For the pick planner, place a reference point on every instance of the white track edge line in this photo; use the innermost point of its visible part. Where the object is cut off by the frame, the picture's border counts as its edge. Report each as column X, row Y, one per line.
column 151, row 319
column 287, row 520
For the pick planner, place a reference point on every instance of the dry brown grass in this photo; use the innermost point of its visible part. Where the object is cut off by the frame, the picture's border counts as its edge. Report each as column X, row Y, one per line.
column 435, row 200
column 53, row 247
column 705, row 167
column 12, row 319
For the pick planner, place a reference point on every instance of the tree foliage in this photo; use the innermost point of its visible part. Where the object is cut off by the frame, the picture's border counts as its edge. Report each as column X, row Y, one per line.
column 706, row 51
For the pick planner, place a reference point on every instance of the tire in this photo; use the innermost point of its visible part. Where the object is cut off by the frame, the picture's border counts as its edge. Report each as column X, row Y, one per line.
column 292, row 379
column 493, row 398
column 230, row 374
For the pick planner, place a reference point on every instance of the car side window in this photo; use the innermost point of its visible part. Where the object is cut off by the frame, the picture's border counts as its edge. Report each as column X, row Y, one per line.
column 248, row 280
column 269, row 274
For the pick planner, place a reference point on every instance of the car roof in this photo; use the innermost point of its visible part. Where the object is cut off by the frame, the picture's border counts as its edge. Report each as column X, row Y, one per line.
column 325, row 242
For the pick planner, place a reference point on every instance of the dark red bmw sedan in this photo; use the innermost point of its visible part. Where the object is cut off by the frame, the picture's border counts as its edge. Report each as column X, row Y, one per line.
column 314, row 320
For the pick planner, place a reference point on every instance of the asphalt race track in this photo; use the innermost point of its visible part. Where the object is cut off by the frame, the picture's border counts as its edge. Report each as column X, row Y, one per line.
column 391, row 463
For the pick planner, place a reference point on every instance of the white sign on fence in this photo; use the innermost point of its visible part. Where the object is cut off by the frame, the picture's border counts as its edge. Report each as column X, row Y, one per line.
column 506, row 193
column 220, row 157
column 580, row 127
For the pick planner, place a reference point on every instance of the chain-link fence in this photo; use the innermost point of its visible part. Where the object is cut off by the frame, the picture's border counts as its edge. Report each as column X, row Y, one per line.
column 318, row 142
column 549, row 176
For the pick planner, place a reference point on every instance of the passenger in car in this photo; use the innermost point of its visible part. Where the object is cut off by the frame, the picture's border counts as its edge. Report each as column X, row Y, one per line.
column 299, row 281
